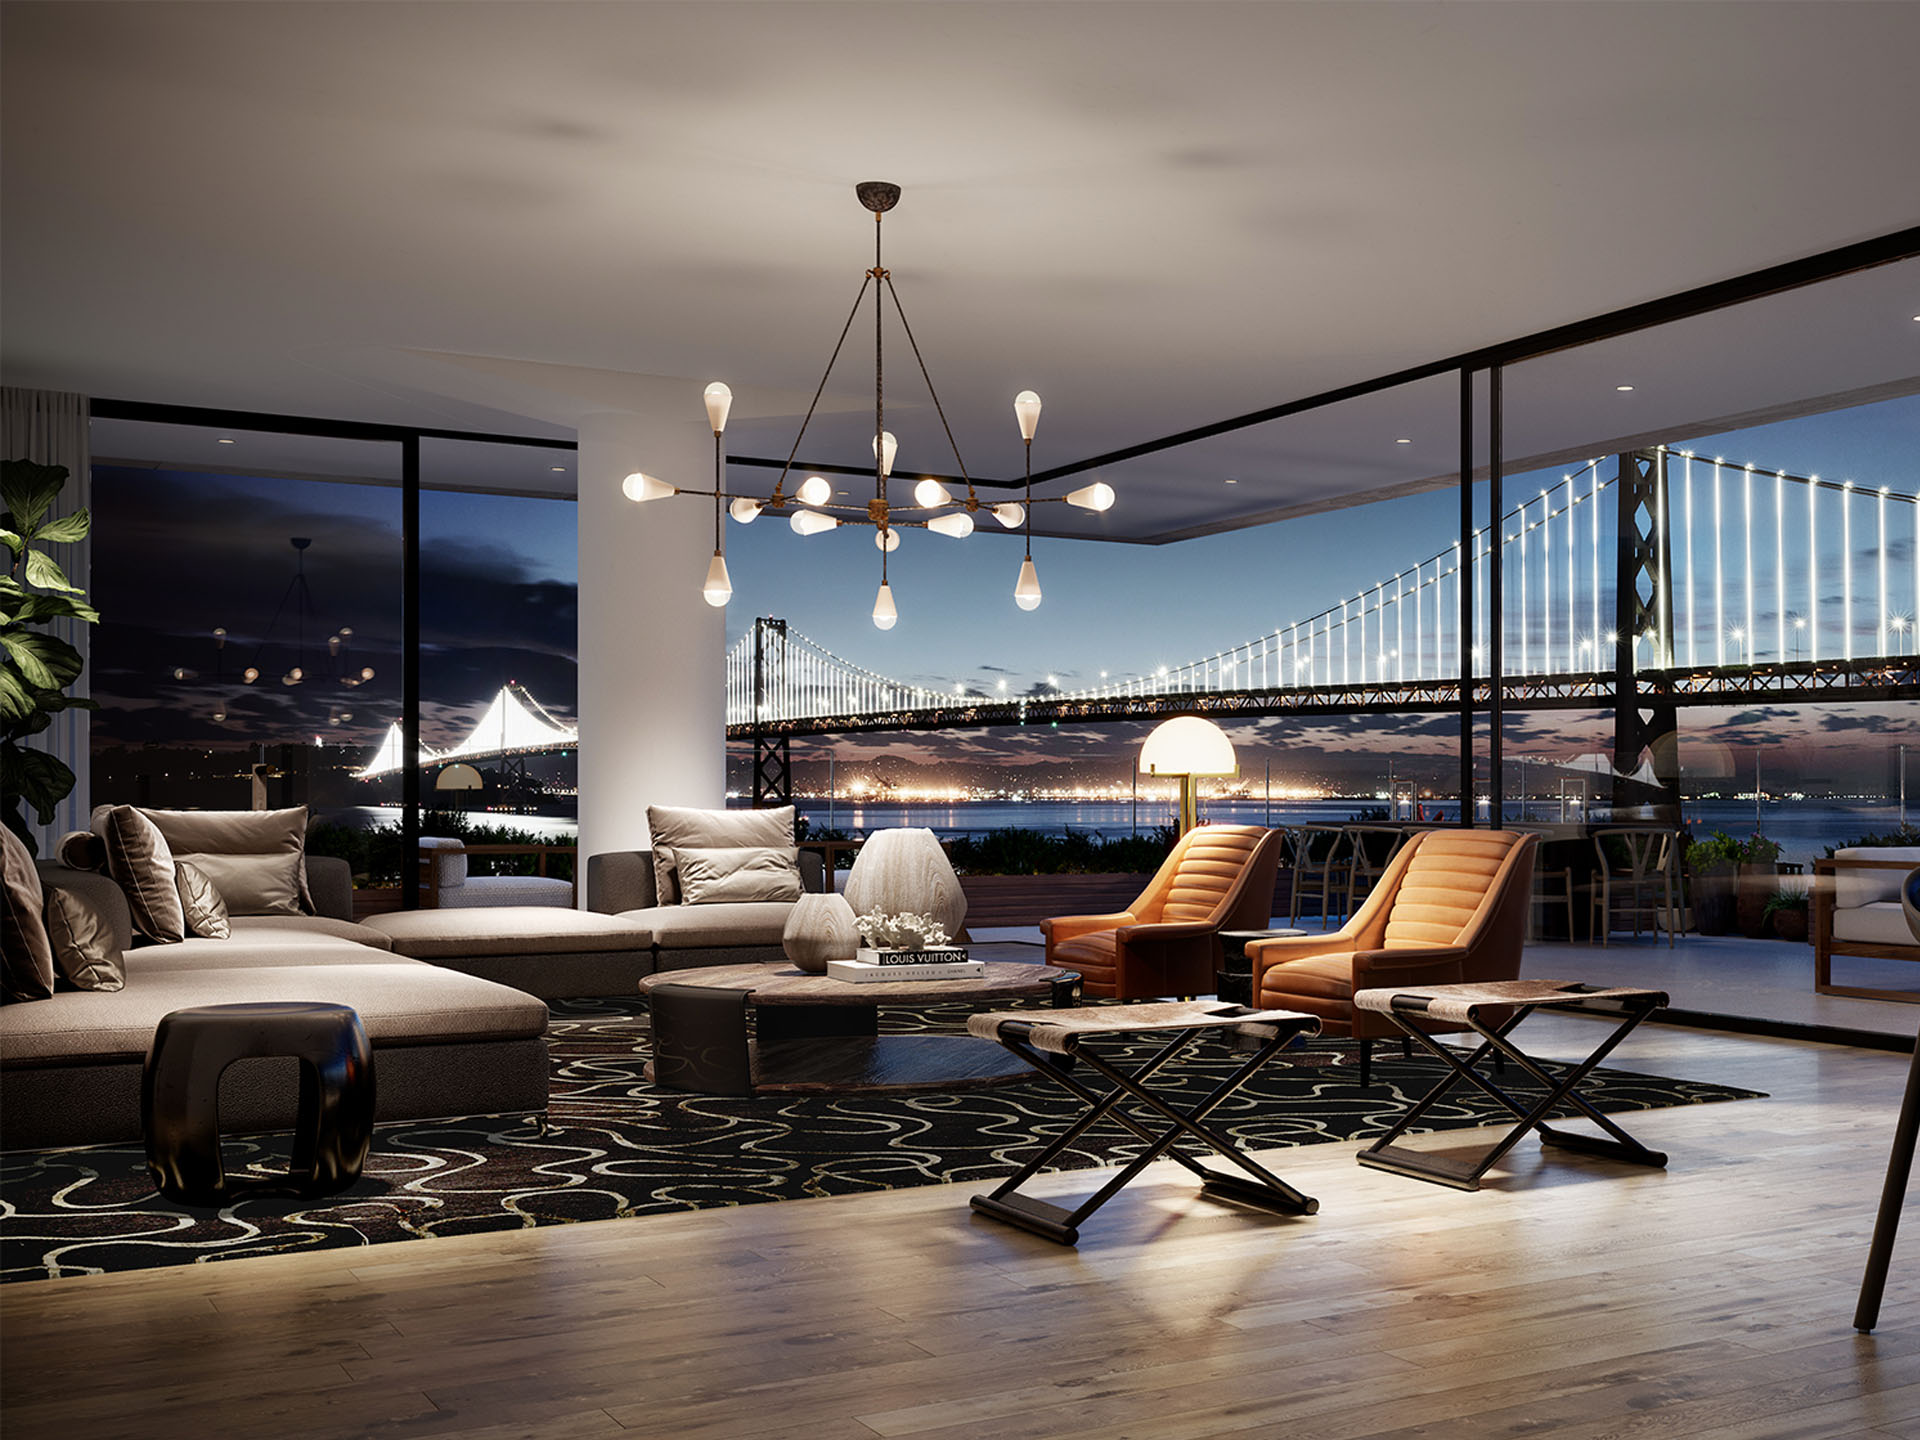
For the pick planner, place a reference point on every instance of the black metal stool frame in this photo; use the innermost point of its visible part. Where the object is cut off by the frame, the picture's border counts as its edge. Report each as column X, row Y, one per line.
column 1383, row 1154
column 1061, row 1225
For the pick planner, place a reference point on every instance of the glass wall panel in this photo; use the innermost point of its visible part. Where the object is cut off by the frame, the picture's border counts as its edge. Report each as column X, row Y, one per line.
column 249, row 589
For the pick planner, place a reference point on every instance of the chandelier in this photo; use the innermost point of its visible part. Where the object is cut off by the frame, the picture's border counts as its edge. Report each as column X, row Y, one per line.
column 809, row 505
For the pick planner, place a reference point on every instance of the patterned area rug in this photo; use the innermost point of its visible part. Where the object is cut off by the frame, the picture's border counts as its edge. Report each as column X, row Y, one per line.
column 617, row 1146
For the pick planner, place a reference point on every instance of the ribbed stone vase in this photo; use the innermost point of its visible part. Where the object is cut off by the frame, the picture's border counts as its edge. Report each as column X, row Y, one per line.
column 820, row 928
column 906, row 871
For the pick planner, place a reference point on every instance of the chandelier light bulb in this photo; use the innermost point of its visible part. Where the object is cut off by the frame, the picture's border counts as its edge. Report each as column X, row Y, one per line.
column 289, row 679
column 883, row 449
column 182, row 673
column 1012, row 514
column 1026, row 592
column 366, row 672
column 811, row 522
column 345, row 716
column 884, row 615
column 814, row 490
column 642, row 488
column 1097, row 496
column 959, row 524
column 1026, row 409
column 219, row 714
column 719, row 400
column 250, row 674
column 220, row 637
column 296, row 674
column 931, row 494
column 887, row 539
column 744, row 510
column 719, row 588
column 333, row 645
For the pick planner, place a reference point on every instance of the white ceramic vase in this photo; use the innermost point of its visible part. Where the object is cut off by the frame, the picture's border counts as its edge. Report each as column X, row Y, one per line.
column 820, row 928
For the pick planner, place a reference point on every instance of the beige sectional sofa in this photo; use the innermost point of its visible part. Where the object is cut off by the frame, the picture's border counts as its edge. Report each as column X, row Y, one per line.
column 444, row 1043
column 623, row 883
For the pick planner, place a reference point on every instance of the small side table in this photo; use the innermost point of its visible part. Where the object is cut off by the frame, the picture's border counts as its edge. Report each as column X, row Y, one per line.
column 1235, row 976
column 1052, row 1044
column 1491, row 1010
column 180, row 1097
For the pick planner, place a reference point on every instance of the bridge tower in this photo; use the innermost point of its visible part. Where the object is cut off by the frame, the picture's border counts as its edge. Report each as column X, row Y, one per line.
column 1644, row 717
column 772, row 770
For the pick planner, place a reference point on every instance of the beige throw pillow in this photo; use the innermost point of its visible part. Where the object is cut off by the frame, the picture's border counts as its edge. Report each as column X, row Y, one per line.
column 716, row 877
column 84, row 946
column 257, row 858
column 674, row 828
column 200, row 902
column 142, row 865
column 26, row 954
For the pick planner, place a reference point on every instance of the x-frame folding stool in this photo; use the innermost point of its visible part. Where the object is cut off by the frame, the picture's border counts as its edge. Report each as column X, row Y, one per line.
column 1467, row 1005
column 1052, row 1044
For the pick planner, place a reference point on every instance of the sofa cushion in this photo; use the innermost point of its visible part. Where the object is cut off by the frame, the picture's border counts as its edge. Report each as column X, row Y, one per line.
column 745, row 922
column 674, row 828
column 510, row 930
column 85, row 948
column 1884, row 922
column 200, row 903
column 399, row 1003
column 256, row 857
column 26, row 954
column 1866, row 886
column 141, row 862
column 481, row 891
column 748, row 873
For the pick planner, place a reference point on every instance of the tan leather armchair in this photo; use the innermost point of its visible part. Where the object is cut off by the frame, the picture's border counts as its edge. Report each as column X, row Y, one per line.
column 1219, row 877
column 1452, row 907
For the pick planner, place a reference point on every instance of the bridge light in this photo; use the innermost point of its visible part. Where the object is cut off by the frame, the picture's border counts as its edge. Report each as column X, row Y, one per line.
column 1012, row 515
column 814, row 490
column 884, row 615
column 744, row 510
column 1026, row 590
column 719, row 401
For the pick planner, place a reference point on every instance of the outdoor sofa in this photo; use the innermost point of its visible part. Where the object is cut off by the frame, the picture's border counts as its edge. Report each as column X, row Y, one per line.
column 1856, row 911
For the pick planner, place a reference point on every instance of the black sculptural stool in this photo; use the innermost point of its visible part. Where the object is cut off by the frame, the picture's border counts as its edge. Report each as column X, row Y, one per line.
column 180, row 1097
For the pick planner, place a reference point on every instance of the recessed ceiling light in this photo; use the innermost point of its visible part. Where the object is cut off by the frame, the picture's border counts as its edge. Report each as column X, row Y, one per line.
column 1403, row 442
column 1623, row 388
column 224, row 440
column 1232, row 481
column 558, row 469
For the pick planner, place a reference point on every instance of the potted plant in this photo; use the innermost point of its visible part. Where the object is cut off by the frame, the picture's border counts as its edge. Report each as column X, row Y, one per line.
column 1758, row 868
column 1712, row 862
column 35, row 667
column 1786, row 912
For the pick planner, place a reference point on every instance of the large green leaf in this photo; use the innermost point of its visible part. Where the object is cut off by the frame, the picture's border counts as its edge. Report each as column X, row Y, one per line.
column 45, row 661
column 51, row 607
column 12, row 541
column 16, row 701
column 36, row 777
column 28, row 490
column 43, row 570
column 65, row 530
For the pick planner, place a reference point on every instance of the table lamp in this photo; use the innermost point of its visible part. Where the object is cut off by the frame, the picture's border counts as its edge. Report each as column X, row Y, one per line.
column 1188, row 747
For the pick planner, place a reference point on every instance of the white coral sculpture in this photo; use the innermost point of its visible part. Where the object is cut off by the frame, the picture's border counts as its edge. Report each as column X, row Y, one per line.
column 905, row 931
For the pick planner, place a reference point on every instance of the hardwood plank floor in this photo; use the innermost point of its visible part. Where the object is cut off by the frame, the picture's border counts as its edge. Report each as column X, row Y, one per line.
column 1572, row 1297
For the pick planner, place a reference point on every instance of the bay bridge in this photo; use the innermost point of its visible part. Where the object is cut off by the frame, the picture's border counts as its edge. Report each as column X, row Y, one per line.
column 1639, row 583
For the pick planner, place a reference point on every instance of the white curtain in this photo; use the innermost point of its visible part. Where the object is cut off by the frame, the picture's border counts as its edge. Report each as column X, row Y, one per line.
column 50, row 427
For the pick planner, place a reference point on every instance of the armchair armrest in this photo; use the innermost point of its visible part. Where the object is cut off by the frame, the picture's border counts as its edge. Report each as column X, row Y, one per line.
column 1066, row 927
column 1379, row 969
column 1165, row 930
column 1263, row 953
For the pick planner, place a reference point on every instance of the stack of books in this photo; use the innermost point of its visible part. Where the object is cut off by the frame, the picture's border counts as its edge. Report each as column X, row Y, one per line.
column 946, row 963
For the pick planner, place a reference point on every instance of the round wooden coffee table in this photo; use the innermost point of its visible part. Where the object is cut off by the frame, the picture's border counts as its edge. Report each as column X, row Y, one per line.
column 817, row 1034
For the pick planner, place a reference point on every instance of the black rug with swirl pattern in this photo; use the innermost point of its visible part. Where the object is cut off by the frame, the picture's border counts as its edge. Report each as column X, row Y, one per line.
column 617, row 1146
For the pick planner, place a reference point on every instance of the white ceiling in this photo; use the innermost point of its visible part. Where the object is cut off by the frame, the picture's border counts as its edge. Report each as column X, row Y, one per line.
column 1156, row 215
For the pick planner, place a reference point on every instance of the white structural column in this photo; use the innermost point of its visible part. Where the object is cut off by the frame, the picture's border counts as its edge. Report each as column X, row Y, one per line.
column 652, row 651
